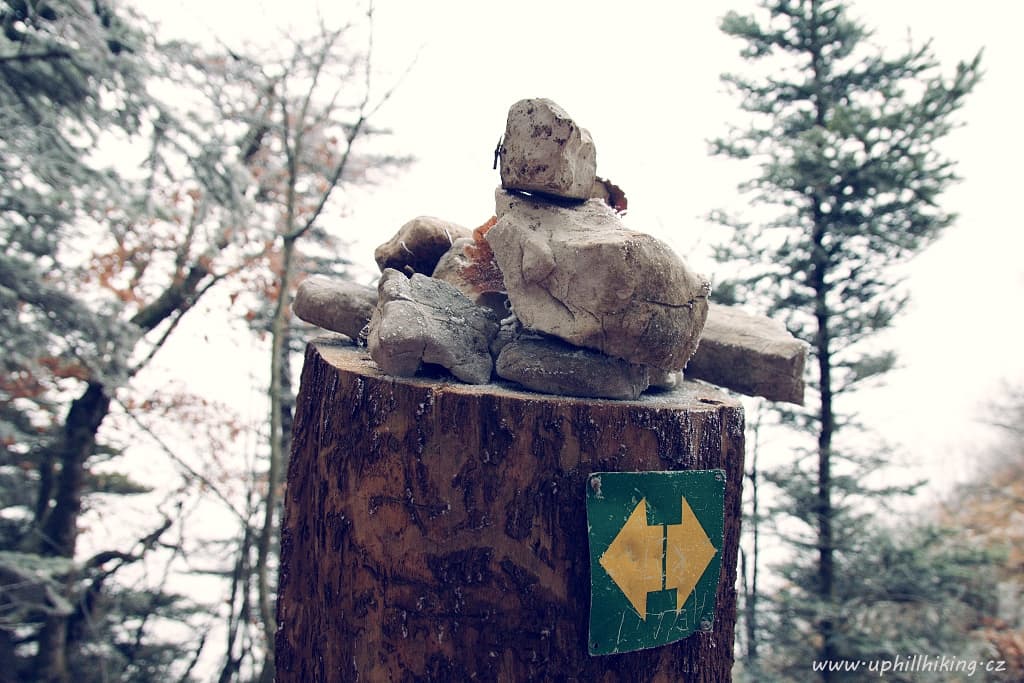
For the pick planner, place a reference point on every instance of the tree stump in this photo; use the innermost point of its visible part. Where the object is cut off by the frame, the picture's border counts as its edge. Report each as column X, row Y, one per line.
column 437, row 531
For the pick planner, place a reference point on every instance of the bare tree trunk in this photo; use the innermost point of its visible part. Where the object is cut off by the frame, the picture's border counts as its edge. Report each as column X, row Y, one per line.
column 279, row 375
column 51, row 665
column 57, row 520
column 59, row 526
column 437, row 531
column 823, row 509
column 828, row 650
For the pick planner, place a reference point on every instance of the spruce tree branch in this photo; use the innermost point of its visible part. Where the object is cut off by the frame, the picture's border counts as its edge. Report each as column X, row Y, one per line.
column 44, row 56
column 90, row 596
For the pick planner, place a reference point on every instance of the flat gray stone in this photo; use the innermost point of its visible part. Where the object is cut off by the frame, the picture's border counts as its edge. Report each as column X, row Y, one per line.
column 418, row 245
column 422, row 320
column 577, row 273
column 335, row 305
column 554, row 367
column 543, row 150
column 751, row 354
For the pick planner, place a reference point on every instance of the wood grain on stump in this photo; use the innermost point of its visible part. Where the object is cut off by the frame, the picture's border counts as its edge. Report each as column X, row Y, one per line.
column 436, row 531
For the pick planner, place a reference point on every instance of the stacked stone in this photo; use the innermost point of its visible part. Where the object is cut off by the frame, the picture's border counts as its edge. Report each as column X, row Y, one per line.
column 554, row 293
column 609, row 302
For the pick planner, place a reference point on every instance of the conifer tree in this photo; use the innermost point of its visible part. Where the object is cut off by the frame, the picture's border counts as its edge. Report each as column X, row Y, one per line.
column 98, row 266
column 846, row 137
column 221, row 161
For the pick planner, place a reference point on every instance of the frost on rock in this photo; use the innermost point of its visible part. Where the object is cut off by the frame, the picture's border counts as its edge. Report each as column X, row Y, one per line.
column 577, row 273
column 554, row 367
column 588, row 307
column 750, row 354
column 423, row 320
column 335, row 305
column 418, row 245
column 543, row 150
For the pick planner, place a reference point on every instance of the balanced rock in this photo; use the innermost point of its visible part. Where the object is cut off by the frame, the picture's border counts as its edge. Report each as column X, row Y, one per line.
column 554, row 367
column 422, row 320
column 335, row 305
column 579, row 274
column 750, row 354
column 543, row 150
column 418, row 245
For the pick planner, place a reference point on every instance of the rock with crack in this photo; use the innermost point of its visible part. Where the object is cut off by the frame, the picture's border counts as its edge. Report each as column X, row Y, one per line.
column 750, row 354
column 418, row 245
column 552, row 366
column 335, row 305
column 544, row 150
column 579, row 274
column 422, row 320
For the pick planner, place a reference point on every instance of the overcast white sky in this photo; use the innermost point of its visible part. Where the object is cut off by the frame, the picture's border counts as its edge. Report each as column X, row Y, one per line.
column 643, row 77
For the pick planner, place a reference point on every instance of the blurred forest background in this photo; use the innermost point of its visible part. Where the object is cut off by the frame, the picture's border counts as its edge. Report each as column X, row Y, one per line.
column 153, row 189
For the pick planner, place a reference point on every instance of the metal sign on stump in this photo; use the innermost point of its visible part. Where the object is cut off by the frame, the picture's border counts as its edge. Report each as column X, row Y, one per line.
column 439, row 531
column 654, row 560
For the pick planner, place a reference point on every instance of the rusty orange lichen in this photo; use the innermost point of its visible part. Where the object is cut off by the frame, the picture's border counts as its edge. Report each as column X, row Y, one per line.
column 611, row 193
column 483, row 273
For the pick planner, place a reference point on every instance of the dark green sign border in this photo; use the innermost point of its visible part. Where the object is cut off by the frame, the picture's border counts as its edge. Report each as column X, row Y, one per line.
column 615, row 626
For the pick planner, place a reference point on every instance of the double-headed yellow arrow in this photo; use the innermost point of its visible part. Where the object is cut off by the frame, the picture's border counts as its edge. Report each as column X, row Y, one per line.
column 645, row 559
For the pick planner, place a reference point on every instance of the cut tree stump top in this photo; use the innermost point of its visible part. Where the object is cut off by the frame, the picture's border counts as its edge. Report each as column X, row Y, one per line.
column 690, row 396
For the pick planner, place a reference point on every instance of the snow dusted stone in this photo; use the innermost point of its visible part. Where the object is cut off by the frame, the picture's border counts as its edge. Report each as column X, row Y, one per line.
column 452, row 268
column 751, row 354
column 422, row 320
column 545, row 151
column 335, row 305
column 451, row 264
column 418, row 245
column 579, row 274
column 554, row 367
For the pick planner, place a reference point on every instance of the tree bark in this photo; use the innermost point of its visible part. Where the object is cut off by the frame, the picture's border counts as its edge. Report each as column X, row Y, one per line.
column 437, row 531
column 60, row 526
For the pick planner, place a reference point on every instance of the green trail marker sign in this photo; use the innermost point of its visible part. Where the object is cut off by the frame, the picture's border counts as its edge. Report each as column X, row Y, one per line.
column 655, row 556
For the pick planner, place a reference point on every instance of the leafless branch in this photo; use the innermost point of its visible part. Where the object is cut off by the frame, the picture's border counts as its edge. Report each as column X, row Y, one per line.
column 175, row 319
column 198, row 476
column 147, row 542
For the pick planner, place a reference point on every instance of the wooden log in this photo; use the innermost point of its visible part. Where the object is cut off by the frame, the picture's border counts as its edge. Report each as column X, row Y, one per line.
column 436, row 531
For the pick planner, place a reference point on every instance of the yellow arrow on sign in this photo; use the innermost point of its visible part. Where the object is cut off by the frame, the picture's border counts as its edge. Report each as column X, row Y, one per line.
column 634, row 558
column 688, row 552
column 645, row 559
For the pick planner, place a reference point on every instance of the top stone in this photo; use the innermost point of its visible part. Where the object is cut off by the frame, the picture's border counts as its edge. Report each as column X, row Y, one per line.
column 545, row 151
